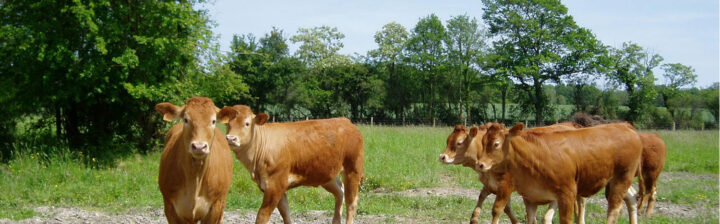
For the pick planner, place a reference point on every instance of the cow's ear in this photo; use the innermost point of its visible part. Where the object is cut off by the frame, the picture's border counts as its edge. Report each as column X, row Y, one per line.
column 473, row 132
column 169, row 111
column 226, row 114
column 261, row 118
column 517, row 129
column 482, row 127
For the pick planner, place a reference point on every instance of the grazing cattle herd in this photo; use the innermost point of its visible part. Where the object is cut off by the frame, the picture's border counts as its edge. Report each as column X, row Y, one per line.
column 559, row 165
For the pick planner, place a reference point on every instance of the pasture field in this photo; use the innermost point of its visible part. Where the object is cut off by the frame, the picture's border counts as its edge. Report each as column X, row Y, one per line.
column 404, row 183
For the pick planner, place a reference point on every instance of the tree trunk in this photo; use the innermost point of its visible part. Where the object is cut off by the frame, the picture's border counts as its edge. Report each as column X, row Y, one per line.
column 72, row 132
column 503, row 92
column 539, row 107
column 58, row 121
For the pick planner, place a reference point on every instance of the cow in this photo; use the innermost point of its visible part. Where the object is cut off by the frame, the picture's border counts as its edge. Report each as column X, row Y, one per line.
column 653, row 161
column 564, row 165
column 463, row 148
column 196, row 164
column 281, row 156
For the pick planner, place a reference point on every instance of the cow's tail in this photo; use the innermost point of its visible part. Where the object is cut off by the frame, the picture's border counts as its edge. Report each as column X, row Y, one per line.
column 641, row 181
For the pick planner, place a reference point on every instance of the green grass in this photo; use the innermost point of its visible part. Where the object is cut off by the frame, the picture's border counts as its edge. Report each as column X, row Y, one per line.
column 397, row 159
column 691, row 151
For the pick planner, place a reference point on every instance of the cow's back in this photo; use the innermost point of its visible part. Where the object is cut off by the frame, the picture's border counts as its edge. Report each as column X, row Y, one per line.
column 315, row 150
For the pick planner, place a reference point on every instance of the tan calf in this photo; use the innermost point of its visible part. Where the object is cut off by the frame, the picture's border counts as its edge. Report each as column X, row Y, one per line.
column 563, row 165
column 653, row 161
column 281, row 156
column 464, row 147
column 196, row 164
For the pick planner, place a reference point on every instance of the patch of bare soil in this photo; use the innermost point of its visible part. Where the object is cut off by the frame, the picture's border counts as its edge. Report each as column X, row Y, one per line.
column 53, row 215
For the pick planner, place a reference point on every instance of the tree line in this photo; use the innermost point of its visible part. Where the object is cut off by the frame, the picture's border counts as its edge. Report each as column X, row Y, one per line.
column 87, row 74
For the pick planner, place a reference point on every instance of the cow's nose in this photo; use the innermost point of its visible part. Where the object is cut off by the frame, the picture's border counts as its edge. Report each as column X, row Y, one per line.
column 199, row 146
column 442, row 157
column 231, row 138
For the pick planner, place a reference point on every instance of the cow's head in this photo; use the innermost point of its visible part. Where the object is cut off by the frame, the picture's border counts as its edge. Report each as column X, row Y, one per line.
column 459, row 148
column 494, row 144
column 198, row 119
column 241, row 122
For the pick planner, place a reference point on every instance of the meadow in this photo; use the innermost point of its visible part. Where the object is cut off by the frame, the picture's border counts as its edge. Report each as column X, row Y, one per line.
column 399, row 161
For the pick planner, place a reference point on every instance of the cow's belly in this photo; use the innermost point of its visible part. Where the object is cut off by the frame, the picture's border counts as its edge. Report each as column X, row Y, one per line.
column 533, row 190
column 190, row 207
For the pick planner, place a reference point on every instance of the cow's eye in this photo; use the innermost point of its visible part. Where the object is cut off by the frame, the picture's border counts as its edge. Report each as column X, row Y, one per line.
column 213, row 122
column 186, row 120
column 247, row 124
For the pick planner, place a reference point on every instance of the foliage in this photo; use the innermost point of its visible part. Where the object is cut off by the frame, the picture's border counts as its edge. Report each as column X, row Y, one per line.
column 265, row 65
column 537, row 41
column 317, row 43
column 465, row 44
column 631, row 66
column 426, row 53
column 95, row 69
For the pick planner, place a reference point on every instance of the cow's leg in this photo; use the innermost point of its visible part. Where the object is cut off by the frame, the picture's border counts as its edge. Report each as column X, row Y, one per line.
column 550, row 213
column 284, row 209
column 335, row 188
column 215, row 214
column 501, row 202
column 615, row 193
column 170, row 214
column 631, row 204
column 580, row 214
column 530, row 211
column 475, row 218
column 272, row 196
column 352, row 180
column 566, row 206
column 510, row 214
column 651, row 202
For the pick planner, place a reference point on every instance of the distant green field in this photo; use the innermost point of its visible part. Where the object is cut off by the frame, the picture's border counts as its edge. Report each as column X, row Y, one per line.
column 397, row 159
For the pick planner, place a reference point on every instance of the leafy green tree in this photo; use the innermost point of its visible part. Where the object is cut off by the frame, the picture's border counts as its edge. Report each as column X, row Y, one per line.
column 537, row 41
column 465, row 44
column 710, row 100
column 317, row 43
column 426, row 53
column 399, row 85
column 264, row 65
column 97, row 68
column 677, row 76
column 631, row 66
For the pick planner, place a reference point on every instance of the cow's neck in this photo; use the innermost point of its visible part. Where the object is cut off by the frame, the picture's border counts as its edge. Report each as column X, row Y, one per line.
column 252, row 155
column 524, row 156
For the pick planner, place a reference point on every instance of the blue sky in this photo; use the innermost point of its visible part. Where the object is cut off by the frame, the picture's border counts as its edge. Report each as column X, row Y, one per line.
column 681, row 31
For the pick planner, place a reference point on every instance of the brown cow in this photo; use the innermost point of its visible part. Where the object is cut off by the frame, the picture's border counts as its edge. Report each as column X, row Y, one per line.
column 281, row 156
column 653, row 160
column 562, row 165
column 196, row 165
column 464, row 147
